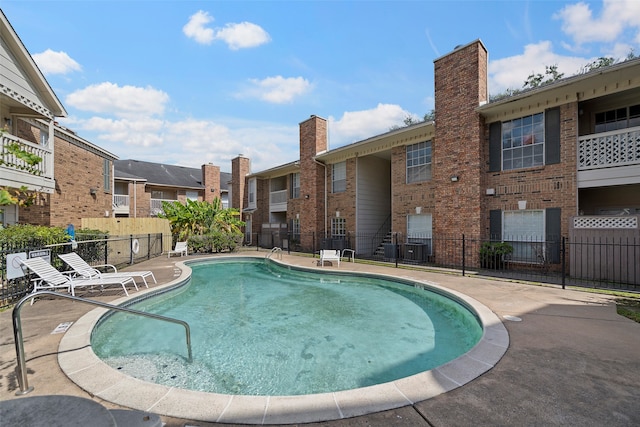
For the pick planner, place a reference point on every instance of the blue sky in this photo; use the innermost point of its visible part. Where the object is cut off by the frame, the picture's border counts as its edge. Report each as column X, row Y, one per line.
column 193, row 82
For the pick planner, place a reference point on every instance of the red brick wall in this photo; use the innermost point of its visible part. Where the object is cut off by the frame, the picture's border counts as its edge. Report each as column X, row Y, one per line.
column 549, row 186
column 343, row 202
column 406, row 197
column 76, row 172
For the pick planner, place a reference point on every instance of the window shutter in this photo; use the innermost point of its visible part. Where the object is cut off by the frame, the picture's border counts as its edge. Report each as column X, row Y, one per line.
column 552, row 136
column 495, row 147
column 553, row 223
column 495, row 224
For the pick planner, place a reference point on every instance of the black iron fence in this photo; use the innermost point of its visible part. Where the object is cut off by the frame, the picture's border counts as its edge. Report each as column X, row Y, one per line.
column 119, row 251
column 602, row 263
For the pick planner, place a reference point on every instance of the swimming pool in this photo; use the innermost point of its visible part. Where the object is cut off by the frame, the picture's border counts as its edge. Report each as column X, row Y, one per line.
column 262, row 329
column 81, row 365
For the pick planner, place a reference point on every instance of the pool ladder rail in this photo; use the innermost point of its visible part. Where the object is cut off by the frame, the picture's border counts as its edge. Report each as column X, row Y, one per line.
column 277, row 251
column 17, row 330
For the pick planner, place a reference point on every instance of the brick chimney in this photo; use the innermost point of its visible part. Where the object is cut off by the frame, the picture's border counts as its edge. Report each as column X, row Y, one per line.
column 211, row 182
column 313, row 140
column 240, row 168
column 460, row 87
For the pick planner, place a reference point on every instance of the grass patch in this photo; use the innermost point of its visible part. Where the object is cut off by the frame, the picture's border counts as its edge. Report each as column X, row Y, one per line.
column 629, row 308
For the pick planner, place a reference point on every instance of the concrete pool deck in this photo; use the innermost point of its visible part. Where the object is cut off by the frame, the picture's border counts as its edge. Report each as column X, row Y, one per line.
column 571, row 360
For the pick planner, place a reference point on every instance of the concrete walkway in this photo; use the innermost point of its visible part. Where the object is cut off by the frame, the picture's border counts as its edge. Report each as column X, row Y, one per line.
column 572, row 360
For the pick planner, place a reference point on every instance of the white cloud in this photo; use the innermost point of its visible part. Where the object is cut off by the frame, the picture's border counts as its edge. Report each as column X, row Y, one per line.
column 51, row 62
column 196, row 27
column 579, row 22
column 354, row 126
column 278, row 89
column 119, row 101
column 243, row 35
column 511, row 72
column 191, row 142
column 236, row 36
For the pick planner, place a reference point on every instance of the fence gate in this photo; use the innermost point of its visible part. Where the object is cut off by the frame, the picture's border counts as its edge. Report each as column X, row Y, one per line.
column 605, row 248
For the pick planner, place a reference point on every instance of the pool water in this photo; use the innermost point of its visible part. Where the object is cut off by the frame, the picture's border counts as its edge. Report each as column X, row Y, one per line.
column 261, row 329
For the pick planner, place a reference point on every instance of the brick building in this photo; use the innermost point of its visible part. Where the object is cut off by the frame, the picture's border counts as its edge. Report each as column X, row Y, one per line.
column 141, row 187
column 519, row 169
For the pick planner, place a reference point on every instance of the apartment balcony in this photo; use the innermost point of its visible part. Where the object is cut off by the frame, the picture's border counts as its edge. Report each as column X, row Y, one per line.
column 278, row 201
column 121, row 204
column 16, row 172
column 156, row 206
column 609, row 158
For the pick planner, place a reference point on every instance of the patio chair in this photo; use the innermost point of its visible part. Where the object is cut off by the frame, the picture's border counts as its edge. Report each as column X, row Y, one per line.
column 329, row 255
column 50, row 278
column 82, row 269
column 181, row 248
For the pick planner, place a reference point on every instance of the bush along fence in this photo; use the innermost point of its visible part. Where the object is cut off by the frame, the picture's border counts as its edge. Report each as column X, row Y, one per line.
column 99, row 249
column 601, row 263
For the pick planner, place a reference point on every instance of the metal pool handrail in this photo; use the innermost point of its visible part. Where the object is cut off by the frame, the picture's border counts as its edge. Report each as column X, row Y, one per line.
column 17, row 330
column 275, row 250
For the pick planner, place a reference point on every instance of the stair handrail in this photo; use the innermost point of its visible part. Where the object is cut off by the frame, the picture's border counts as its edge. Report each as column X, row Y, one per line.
column 17, row 330
column 384, row 230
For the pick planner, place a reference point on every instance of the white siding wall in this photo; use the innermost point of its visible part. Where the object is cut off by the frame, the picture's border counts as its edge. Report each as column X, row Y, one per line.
column 14, row 78
column 373, row 194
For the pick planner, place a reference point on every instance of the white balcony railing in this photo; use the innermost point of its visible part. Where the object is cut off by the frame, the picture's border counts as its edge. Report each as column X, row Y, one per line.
column 17, row 171
column 276, row 197
column 156, row 205
column 121, row 204
column 609, row 149
column 278, row 201
column 120, row 200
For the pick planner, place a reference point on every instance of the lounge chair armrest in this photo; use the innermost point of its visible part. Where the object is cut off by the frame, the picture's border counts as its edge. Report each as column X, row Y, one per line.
column 115, row 270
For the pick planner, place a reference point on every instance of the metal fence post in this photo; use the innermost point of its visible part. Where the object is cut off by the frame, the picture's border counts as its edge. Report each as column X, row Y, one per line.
column 563, row 257
column 396, row 252
column 463, row 255
column 131, row 249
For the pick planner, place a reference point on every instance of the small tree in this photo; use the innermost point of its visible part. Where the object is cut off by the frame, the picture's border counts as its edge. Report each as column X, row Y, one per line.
column 201, row 218
column 551, row 73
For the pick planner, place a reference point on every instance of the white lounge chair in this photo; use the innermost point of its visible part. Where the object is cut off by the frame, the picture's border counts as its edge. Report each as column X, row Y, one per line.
column 82, row 269
column 329, row 255
column 181, row 248
column 50, row 278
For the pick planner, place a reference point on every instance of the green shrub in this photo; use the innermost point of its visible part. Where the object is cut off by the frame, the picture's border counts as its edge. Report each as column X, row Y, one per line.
column 492, row 254
column 217, row 241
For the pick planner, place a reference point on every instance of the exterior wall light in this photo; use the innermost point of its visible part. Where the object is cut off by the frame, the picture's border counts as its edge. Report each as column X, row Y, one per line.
column 454, row 178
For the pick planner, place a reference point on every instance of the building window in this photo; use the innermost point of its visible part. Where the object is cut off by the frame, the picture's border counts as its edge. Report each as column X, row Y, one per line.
column 295, row 230
column 523, row 142
column 419, row 162
column 44, row 137
column 252, row 193
column 338, row 227
column 163, row 195
column 525, row 231
column 295, row 185
column 620, row 118
column 107, row 175
column 339, row 177
column 192, row 195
